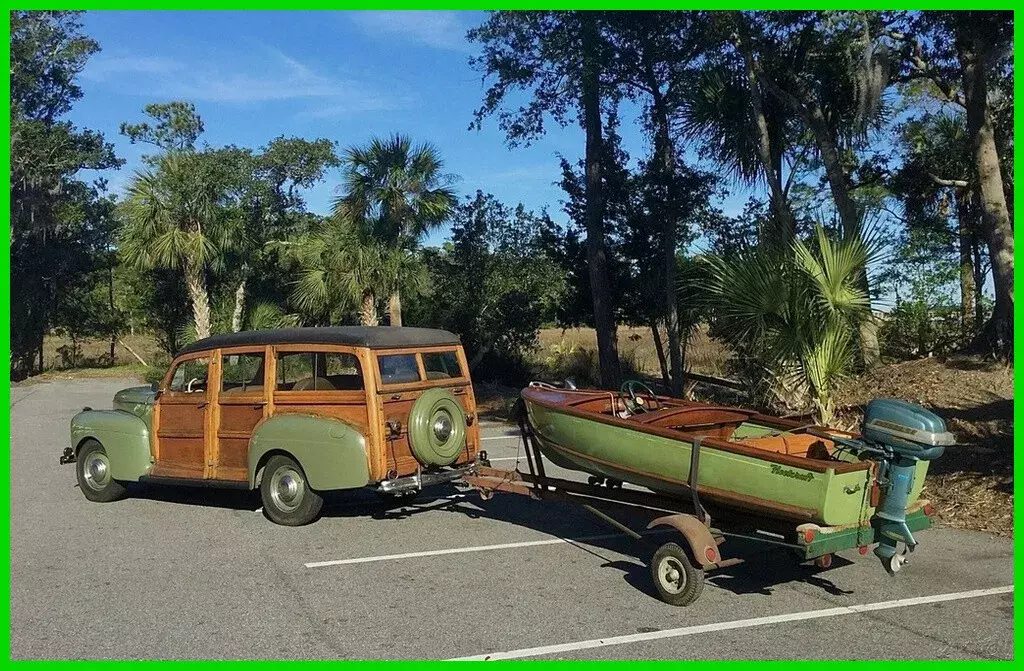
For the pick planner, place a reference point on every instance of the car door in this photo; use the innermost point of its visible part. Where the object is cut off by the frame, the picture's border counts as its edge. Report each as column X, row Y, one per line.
column 181, row 417
column 241, row 404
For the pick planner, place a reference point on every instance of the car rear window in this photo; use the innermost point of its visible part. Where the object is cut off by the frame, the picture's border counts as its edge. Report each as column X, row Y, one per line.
column 398, row 368
column 441, row 365
column 318, row 371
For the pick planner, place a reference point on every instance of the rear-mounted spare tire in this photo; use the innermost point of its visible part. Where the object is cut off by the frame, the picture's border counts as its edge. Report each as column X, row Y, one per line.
column 437, row 428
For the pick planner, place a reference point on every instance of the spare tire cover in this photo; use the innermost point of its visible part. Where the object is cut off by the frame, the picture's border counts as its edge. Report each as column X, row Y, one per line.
column 437, row 428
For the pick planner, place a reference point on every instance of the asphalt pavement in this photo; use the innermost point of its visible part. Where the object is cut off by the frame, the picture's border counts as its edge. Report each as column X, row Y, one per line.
column 175, row 573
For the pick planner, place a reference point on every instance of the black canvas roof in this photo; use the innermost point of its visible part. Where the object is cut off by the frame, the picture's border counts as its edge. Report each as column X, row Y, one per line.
column 376, row 337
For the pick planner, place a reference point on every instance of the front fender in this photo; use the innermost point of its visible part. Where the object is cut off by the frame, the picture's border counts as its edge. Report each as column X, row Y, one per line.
column 125, row 439
column 331, row 453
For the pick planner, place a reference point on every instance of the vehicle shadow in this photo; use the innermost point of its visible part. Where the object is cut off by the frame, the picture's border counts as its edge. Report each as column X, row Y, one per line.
column 212, row 497
column 762, row 570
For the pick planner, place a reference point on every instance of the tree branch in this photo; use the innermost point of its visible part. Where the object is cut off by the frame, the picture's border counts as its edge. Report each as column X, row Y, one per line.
column 923, row 70
column 959, row 183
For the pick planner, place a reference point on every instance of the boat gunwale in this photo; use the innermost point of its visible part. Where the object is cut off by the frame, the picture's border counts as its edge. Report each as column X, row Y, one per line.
column 807, row 464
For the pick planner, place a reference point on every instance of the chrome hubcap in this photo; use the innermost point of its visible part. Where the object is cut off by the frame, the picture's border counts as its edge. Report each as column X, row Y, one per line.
column 287, row 488
column 442, row 426
column 673, row 577
column 96, row 471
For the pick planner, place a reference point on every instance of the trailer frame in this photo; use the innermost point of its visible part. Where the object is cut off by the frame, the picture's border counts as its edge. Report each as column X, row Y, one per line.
column 679, row 570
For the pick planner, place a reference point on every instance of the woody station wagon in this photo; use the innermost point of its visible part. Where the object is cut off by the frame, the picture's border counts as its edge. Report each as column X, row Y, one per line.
column 293, row 412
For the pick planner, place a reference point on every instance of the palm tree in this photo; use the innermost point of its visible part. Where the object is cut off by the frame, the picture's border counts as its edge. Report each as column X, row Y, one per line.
column 793, row 313
column 395, row 193
column 171, row 220
column 338, row 268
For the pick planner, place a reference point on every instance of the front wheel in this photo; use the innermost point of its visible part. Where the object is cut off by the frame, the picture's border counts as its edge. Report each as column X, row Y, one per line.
column 678, row 581
column 287, row 496
column 94, row 479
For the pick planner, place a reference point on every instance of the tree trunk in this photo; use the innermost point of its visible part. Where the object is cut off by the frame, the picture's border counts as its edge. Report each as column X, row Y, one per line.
column 661, row 353
column 239, row 311
column 964, row 239
column 784, row 226
column 665, row 157
column 994, row 214
column 979, row 281
column 113, row 329
column 395, row 308
column 597, row 262
column 195, row 283
column 839, row 185
column 368, row 310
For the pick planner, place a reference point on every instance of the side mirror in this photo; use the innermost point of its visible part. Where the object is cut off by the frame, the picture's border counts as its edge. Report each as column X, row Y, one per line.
column 154, row 387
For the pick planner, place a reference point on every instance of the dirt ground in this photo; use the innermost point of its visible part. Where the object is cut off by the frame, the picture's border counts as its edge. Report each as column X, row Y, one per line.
column 971, row 485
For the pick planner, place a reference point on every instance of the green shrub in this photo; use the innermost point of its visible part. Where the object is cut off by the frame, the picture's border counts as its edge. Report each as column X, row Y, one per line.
column 915, row 329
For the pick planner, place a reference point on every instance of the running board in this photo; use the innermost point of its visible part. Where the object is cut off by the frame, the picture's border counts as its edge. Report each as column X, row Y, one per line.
column 193, row 482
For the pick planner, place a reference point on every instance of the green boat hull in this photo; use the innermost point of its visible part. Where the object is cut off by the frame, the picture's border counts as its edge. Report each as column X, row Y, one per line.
column 810, row 494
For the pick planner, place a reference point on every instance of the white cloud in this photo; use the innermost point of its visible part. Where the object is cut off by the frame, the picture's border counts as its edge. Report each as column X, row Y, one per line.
column 104, row 68
column 267, row 75
column 440, row 30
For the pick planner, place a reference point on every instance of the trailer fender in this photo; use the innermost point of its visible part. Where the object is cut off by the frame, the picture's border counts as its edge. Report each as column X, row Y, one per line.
column 698, row 537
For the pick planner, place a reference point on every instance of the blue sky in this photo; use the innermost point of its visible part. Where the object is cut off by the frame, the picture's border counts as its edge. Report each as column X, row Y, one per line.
column 345, row 76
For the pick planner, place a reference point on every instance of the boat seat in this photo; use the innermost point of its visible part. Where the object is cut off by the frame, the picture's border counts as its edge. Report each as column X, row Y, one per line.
column 795, row 444
column 712, row 421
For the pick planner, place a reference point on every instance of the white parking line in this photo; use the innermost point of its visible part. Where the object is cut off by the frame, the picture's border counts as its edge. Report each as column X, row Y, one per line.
column 478, row 548
column 508, row 437
column 736, row 624
column 506, row 458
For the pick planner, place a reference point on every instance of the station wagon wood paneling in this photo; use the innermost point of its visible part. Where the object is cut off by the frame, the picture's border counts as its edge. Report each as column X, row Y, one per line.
column 337, row 414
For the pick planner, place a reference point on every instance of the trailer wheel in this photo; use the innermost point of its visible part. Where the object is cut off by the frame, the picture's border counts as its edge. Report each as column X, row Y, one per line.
column 677, row 580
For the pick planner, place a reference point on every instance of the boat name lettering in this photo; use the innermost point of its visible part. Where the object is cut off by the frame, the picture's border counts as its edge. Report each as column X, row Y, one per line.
column 789, row 473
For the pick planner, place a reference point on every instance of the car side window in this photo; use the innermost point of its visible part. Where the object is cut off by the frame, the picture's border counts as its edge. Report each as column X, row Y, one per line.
column 190, row 376
column 319, row 371
column 398, row 368
column 441, row 365
column 242, row 373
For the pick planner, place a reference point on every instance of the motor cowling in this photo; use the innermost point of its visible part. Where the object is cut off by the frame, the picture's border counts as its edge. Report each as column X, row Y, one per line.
column 907, row 433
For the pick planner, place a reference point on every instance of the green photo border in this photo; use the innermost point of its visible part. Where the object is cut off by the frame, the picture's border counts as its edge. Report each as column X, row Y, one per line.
column 466, row 5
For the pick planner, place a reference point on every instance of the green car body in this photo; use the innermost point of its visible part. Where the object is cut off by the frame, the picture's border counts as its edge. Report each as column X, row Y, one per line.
column 332, row 453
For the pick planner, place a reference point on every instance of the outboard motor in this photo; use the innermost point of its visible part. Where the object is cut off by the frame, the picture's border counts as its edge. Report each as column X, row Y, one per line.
column 905, row 433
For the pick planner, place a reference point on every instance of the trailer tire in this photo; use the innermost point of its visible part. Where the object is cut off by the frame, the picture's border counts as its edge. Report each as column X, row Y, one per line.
column 678, row 581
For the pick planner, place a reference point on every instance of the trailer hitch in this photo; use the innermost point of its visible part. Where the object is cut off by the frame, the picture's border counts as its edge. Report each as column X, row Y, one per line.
column 69, row 456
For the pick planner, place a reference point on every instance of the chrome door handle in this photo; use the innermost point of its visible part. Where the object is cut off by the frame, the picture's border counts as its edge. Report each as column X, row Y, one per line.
column 203, row 404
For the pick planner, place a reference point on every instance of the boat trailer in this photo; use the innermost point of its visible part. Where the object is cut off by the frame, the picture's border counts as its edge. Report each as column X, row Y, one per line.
column 678, row 567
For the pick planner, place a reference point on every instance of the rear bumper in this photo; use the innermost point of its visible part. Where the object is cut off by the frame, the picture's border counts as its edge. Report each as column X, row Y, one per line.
column 412, row 483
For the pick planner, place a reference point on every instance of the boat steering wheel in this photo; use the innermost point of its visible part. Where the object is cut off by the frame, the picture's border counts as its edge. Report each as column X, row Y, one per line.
column 636, row 403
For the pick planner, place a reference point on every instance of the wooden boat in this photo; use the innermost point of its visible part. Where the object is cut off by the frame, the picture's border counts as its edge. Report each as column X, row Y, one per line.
column 752, row 462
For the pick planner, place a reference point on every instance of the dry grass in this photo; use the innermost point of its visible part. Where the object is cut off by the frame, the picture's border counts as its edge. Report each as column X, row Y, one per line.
column 95, row 353
column 703, row 355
